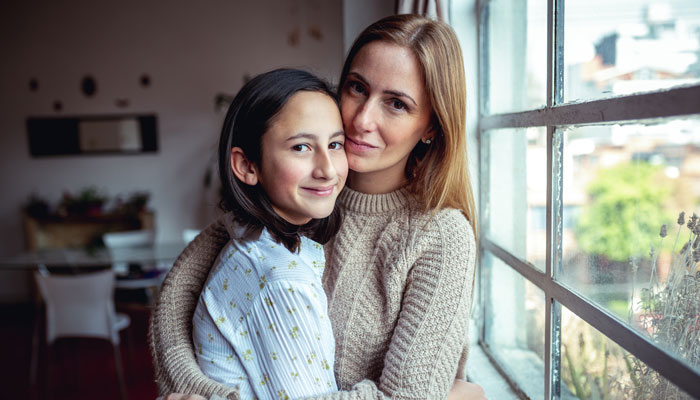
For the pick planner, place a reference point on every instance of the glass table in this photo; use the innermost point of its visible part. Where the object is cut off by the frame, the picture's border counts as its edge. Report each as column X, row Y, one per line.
column 81, row 257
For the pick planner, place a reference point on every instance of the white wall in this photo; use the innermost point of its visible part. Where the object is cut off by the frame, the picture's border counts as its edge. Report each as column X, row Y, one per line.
column 191, row 50
column 358, row 14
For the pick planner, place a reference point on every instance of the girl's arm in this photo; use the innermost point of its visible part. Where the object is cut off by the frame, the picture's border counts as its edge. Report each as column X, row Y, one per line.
column 426, row 350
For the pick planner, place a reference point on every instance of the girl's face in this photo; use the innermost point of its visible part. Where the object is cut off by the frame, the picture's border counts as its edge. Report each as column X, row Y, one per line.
column 386, row 111
column 303, row 165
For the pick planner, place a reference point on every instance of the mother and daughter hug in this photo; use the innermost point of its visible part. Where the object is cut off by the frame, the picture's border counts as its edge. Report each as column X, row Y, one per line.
column 344, row 267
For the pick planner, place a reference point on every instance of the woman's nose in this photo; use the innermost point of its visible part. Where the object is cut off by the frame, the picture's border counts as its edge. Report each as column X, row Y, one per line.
column 365, row 117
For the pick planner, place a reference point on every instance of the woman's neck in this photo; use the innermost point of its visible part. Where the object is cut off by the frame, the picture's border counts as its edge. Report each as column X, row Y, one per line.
column 375, row 182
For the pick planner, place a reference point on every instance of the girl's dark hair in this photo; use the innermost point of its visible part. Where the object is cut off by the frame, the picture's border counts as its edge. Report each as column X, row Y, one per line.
column 248, row 118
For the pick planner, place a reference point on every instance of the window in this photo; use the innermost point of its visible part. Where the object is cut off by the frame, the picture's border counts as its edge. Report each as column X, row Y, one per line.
column 589, row 136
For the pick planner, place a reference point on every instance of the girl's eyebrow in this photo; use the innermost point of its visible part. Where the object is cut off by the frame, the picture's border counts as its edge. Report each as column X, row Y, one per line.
column 311, row 136
column 396, row 93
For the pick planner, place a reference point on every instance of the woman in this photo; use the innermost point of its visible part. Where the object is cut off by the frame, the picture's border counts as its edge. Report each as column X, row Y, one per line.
column 399, row 274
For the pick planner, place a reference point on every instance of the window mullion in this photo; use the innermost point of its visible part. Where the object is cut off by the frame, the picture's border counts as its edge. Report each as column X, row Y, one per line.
column 555, row 96
column 555, row 196
column 483, row 59
column 484, row 201
column 483, row 142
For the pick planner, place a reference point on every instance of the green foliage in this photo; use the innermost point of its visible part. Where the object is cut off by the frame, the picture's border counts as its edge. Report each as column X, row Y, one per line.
column 625, row 212
column 589, row 364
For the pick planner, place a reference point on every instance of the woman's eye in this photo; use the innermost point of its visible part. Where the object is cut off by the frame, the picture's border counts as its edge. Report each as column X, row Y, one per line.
column 301, row 147
column 356, row 87
column 398, row 104
column 336, row 146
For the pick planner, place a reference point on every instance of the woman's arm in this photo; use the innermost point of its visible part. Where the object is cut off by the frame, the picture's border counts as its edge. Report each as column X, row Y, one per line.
column 427, row 349
column 170, row 329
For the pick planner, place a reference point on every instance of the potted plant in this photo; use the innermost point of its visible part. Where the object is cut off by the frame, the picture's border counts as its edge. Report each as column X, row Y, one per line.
column 669, row 313
column 89, row 202
column 36, row 207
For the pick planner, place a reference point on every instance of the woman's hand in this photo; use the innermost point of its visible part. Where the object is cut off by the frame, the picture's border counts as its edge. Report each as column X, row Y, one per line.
column 180, row 396
column 463, row 390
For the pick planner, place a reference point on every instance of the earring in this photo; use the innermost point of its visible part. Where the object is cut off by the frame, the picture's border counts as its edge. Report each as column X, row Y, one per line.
column 428, row 141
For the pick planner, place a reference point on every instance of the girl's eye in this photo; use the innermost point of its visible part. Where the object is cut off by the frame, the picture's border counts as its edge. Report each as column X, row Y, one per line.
column 301, row 148
column 336, row 146
column 398, row 104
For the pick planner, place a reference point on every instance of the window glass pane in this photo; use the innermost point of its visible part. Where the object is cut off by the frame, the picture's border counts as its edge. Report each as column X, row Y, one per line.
column 595, row 367
column 621, row 185
column 518, row 192
column 514, row 326
column 628, row 46
column 517, row 48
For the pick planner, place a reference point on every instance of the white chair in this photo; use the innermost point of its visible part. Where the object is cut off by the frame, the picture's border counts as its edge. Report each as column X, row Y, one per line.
column 83, row 306
column 188, row 235
column 120, row 242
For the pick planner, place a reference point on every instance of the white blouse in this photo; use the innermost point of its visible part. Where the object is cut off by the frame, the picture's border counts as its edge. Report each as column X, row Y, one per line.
column 261, row 323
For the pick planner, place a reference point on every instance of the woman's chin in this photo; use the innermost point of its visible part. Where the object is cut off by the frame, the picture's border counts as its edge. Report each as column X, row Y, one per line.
column 358, row 164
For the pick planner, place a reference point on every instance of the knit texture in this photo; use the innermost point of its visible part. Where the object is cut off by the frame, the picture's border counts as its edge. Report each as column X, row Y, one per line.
column 399, row 286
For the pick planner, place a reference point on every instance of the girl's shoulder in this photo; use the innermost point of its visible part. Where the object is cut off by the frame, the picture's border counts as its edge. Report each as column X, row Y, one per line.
column 272, row 261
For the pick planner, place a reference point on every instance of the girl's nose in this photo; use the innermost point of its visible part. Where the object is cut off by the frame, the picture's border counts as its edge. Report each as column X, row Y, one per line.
column 324, row 168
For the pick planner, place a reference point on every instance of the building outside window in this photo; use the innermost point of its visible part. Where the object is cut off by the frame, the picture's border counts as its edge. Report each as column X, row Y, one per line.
column 589, row 136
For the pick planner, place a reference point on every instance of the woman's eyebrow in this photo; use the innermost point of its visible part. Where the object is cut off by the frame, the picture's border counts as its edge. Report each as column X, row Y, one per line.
column 396, row 93
column 400, row 94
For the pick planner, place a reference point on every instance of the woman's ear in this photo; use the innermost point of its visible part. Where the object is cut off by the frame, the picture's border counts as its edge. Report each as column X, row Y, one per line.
column 429, row 135
column 431, row 132
column 244, row 170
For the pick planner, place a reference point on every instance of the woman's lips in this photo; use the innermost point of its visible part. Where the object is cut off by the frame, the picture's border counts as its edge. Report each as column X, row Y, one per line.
column 357, row 146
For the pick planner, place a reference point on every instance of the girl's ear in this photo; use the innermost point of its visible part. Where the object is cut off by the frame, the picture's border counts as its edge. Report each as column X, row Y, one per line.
column 244, row 170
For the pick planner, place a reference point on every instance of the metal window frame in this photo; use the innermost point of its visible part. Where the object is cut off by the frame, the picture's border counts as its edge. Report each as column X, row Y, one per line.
column 636, row 108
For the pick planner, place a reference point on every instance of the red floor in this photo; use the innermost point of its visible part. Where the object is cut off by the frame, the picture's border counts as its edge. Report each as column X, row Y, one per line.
column 78, row 368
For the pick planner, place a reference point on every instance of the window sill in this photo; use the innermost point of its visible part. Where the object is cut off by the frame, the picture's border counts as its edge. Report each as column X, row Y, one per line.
column 480, row 371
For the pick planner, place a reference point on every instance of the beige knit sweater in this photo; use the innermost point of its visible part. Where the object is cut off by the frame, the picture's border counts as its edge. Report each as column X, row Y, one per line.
column 399, row 287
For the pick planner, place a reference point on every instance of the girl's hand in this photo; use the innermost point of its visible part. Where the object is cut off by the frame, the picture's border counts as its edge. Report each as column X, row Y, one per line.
column 463, row 390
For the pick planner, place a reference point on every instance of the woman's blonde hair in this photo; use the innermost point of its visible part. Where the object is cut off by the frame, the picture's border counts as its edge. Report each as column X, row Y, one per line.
column 438, row 173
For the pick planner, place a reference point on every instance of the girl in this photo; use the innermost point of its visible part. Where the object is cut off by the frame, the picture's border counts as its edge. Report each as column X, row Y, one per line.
column 261, row 323
column 400, row 272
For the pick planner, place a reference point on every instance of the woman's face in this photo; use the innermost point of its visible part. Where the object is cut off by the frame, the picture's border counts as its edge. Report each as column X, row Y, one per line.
column 386, row 111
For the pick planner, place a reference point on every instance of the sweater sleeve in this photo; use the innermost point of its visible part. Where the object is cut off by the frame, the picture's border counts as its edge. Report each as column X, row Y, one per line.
column 428, row 346
column 169, row 334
